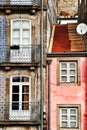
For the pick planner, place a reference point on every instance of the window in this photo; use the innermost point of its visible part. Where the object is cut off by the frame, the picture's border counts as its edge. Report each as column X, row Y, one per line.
column 20, row 97
column 21, row 36
column 68, row 72
column 68, row 117
column 21, row 2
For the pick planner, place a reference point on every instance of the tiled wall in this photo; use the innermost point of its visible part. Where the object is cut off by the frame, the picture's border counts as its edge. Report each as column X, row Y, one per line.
column 2, row 37
column 2, row 95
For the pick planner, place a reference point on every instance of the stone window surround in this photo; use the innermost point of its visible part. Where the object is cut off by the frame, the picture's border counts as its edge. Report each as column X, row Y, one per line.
column 68, row 59
column 78, row 106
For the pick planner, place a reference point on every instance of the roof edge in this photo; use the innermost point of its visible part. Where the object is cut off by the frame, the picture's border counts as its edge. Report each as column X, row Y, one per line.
column 68, row 54
column 51, row 41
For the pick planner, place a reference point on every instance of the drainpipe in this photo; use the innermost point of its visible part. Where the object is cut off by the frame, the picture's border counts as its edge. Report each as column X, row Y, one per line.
column 49, row 101
column 41, row 68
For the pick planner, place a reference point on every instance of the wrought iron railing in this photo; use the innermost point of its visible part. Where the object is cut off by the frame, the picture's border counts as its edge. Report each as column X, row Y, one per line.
column 29, row 113
column 20, row 54
column 19, row 2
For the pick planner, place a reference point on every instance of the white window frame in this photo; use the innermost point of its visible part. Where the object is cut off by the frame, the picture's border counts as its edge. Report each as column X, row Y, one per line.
column 68, row 115
column 23, row 54
column 68, row 69
column 20, row 114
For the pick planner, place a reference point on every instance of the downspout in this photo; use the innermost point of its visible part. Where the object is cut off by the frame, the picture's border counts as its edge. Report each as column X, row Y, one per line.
column 41, row 68
column 49, row 92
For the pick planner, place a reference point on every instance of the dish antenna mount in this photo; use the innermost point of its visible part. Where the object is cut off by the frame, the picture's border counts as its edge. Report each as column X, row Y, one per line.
column 81, row 28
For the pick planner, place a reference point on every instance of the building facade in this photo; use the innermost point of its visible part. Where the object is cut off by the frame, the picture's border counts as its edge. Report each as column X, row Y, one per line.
column 66, row 79
column 20, row 61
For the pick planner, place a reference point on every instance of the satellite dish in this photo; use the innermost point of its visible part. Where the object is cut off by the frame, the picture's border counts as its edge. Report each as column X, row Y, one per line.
column 81, row 28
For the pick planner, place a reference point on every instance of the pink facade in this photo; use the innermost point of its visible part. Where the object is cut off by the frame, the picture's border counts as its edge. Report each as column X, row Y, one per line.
column 67, row 94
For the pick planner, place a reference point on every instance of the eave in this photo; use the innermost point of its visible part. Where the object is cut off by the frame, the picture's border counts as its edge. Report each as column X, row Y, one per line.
column 67, row 54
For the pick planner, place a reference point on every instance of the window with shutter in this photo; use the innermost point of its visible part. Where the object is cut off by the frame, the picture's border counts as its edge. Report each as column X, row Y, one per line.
column 20, row 97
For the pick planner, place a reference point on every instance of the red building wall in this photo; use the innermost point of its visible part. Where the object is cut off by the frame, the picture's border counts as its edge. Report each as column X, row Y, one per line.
column 68, row 94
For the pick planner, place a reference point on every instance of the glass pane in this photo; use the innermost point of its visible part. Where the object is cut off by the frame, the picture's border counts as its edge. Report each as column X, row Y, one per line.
column 73, row 124
column 72, row 72
column 72, row 117
column 73, row 111
column 16, row 41
column 63, row 72
column 63, row 79
column 15, row 97
column 25, row 106
column 25, row 33
column 16, row 79
column 72, row 65
column 64, row 111
column 63, row 65
column 15, row 89
column 25, row 79
column 16, row 33
column 25, row 41
column 25, row 97
column 25, row 23
column 15, row 106
column 72, row 78
column 64, row 117
column 25, row 89
column 64, row 124
column 16, row 23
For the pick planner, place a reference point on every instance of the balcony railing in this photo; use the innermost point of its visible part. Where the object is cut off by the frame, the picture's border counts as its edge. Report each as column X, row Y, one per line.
column 19, row 2
column 29, row 112
column 20, row 54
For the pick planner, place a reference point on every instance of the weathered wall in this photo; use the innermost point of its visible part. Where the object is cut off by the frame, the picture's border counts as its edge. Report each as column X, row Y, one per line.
column 19, row 128
column 68, row 94
column 67, row 8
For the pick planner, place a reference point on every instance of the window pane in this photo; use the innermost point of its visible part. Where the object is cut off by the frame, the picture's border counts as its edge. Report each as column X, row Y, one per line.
column 63, row 72
column 15, row 97
column 64, row 124
column 15, row 89
column 16, row 79
column 73, row 111
column 64, row 117
column 72, row 72
column 63, row 78
column 25, row 41
column 64, row 111
column 63, row 65
column 72, row 65
column 25, row 33
column 25, row 89
column 72, row 117
column 15, row 106
column 25, row 106
column 25, row 23
column 25, row 79
column 72, row 78
column 15, row 41
column 16, row 23
column 16, row 33
column 25, row 97
column 73, row 124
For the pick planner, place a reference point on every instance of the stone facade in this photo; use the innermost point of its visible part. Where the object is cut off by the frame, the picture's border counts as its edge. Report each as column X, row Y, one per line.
column 9, row 69
column 67, row 8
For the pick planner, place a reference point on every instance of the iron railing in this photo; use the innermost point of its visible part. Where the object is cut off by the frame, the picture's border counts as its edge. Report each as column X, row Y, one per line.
column 19, row 2
column 29, row 112
column 20, row 54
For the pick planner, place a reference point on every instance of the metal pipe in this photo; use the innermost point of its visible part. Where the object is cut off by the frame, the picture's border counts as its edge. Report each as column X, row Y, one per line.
column 41, row 67
column 49, row 92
